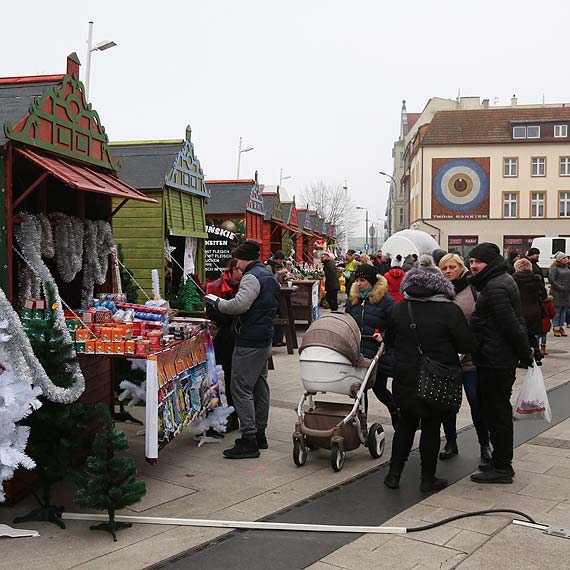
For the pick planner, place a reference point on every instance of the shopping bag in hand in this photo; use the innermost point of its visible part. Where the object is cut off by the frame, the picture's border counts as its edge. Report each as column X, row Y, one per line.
column 532, row 402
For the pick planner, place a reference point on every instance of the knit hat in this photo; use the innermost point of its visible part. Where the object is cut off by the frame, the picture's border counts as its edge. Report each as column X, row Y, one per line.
column 396, row 261
column 279, row 254
column 533, row 251
column 523, row 265
column 437, row 255
column 513, row 255
column 367, row 272
column 249, row 250
column 559, row 256
column 485, row 252
column 427, row 276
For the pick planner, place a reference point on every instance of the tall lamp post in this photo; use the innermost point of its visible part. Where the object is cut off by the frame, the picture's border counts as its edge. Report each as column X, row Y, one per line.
column 395, row 191
column 281, row 177
column 363, row 208
column 345, row 188
column 240, row 150
column 100, row 46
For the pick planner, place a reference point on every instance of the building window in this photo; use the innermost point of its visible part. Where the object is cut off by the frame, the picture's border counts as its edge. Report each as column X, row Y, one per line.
column 510, row 167
column 518, row 243
column 533, row 132
column 462, row 245
column 565, row 204
column 510, row 203
column 537, row 200
column 401, row 216
column 519, row 132
column 565, row 166
column 538, row 166
column 560, row 131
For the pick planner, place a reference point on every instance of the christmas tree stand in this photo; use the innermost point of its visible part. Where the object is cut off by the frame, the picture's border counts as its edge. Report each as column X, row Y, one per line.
column 112, row 525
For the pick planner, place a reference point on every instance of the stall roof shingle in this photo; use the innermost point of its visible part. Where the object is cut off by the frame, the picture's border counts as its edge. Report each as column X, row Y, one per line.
column 228, row 196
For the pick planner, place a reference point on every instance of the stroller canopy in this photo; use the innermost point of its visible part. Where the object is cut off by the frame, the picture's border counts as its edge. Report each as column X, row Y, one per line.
column 339, row 332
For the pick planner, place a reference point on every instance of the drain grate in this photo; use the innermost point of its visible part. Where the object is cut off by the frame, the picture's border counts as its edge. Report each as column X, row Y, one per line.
column 551, row 442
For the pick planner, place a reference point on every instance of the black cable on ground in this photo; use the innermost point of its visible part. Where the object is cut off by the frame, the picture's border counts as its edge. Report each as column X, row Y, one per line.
column 466, row 515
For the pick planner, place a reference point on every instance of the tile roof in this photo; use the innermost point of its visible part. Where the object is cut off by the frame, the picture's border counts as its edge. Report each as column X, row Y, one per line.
column 144, row 166
column 485, row 126
column 286, row 211
column 412, row 119
column 16, row 97
column 268, row 204
column 228, row 196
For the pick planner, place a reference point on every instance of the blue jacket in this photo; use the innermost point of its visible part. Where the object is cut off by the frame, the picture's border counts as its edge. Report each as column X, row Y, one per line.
column 255, row 306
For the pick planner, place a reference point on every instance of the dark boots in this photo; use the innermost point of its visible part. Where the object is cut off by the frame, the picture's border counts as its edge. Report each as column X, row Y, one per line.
column 392, row 480
column 494, row 475
column 449, row 450
column 486, row 461
column 245, row 447
column 430, row 484
column 261, row 439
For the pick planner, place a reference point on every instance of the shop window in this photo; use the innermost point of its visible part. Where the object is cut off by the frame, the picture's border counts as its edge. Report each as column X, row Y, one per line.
column 510, row 204
column 510, row 167
column 537, row 201
column 518, row 243
column 462, row 245
column 538, row 166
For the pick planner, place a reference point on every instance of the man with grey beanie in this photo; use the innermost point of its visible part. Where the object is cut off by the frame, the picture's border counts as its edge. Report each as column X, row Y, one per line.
column 255, row 306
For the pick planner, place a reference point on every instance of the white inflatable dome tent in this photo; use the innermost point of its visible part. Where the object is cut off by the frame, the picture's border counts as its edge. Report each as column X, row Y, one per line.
column 406, row 242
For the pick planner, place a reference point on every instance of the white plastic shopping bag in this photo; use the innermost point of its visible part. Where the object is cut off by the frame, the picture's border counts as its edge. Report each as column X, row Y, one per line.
column 532, row 402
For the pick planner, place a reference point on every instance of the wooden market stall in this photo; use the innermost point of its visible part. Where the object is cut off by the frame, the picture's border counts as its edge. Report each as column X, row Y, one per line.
column 234, row 213
column 293, row 236
column 275, row 228
column 169, row 172
column 306, row 250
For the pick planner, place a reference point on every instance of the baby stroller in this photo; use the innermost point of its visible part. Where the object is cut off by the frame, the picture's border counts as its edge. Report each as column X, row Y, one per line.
column 330, row 361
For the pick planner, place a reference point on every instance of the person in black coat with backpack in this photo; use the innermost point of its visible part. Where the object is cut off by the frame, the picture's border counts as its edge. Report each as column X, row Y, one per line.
column 370, row 304
column 443, row 333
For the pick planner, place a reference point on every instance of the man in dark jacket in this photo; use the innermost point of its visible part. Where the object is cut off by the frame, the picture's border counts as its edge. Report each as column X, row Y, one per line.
column 332, row 283
column 255, row 306
column 502, row 343
column 532, row 255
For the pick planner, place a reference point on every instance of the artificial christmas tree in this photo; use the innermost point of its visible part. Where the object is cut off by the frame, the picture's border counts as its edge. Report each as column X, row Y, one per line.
column 128, row 285
column 109, row 482
column 188, row 298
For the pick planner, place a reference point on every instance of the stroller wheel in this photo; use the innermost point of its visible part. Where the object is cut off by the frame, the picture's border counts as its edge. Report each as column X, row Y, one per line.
column 376, row 440
column 300, row 453
column 337, row 457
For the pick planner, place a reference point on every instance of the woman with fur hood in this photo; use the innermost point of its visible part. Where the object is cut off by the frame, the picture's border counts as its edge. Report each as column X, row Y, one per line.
column 370, row 305
column 443, row 333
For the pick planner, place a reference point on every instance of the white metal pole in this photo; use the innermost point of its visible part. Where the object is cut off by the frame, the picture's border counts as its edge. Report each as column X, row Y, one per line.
column 239, row 158
column 88, row 64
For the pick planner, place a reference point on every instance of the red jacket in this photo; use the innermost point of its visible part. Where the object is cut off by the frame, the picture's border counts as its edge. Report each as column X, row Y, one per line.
column 224, row 287
column 394, row 278
column 550, row 311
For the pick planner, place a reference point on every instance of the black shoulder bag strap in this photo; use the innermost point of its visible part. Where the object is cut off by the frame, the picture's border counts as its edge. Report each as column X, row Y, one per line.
column 413, row 327
column 473, row 292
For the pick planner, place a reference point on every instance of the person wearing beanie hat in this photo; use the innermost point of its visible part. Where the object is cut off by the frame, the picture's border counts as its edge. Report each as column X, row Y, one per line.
column 370, row 304
column 503, row 343
column 533, row 255
column 512, row 257
column 559, row 279
column 394, row 277
column 532, row 293
column 254, row 308
column 443, row 334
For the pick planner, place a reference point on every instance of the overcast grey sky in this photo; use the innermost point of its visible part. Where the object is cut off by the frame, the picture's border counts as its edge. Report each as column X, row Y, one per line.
column 315, row 86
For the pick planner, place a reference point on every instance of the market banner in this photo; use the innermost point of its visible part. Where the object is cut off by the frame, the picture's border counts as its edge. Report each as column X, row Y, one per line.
column 181, row 387
column 223, row 237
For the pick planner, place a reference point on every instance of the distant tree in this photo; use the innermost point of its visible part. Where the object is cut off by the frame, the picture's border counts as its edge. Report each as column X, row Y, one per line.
column 332, row 203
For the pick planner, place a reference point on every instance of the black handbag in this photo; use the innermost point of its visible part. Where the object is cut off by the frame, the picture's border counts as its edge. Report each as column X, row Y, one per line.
column 439, row 385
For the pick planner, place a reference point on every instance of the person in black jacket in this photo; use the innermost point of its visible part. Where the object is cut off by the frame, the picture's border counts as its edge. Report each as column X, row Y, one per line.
column 443, row 334
column 332, row 283
column 533, row 255
column 370, row 305
column 502, row 344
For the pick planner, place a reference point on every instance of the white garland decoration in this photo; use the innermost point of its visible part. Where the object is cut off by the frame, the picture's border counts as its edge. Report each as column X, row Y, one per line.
column 68, row 245
column 47, row 245
column 28, row 239
column 18, row 398
column 98, row 245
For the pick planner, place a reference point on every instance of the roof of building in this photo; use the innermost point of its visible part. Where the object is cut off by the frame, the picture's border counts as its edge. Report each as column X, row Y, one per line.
column 16, row 95
column 144, row 165
column 412, row 119
column 269, row 203
column 228, row 196
column 485, row 126
column 286, row 210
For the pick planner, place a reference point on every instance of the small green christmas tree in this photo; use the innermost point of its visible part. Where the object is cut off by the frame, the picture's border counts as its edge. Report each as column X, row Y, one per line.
column 188, row 297
column 57, row 431
column 128, row 285
column 109, row 482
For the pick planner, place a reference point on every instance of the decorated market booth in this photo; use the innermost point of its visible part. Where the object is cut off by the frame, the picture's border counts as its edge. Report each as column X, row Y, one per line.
column 234, row 213
column 293, row 237
column 304, row 217
column 169, row 234
column 318, row 229
column 73, row 326
column 273, row 224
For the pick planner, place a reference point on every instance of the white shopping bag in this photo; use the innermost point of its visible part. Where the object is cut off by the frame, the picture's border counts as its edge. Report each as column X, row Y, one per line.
column 532, row 402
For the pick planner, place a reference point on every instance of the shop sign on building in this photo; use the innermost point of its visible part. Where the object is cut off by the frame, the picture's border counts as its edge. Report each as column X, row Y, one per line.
column 223, row 237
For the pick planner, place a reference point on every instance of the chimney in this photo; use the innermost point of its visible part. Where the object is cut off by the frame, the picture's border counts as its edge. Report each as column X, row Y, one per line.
column 485, row 103
column 188, row 133
column 514, row 100
column 403, row 121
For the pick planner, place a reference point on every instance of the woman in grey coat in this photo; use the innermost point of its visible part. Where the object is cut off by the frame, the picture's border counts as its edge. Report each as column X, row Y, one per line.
column 559, row 278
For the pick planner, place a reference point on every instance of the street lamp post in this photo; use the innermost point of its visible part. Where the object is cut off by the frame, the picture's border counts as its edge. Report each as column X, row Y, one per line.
column 100, row 46
column 363, row 208
column 240, row 150
column 395, row 192
column 281, row 177
column 345, row 188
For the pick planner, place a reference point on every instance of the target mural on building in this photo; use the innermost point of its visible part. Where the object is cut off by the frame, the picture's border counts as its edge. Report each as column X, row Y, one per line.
column 460, row 188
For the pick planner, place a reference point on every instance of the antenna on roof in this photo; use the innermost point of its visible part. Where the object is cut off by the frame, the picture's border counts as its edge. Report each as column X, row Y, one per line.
column 543, row 100
column 459, row 94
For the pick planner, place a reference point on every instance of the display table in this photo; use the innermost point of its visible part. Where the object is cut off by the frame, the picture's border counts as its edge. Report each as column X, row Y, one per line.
column 305, row 300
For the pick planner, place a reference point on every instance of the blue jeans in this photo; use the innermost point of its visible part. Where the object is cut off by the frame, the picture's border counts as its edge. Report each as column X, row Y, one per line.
column 560, row 317
column 481, row 427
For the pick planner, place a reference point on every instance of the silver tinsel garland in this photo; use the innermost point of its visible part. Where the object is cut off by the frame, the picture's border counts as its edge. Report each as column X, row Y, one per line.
column 68, row 241
column 28, row 236
column 98, row 244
